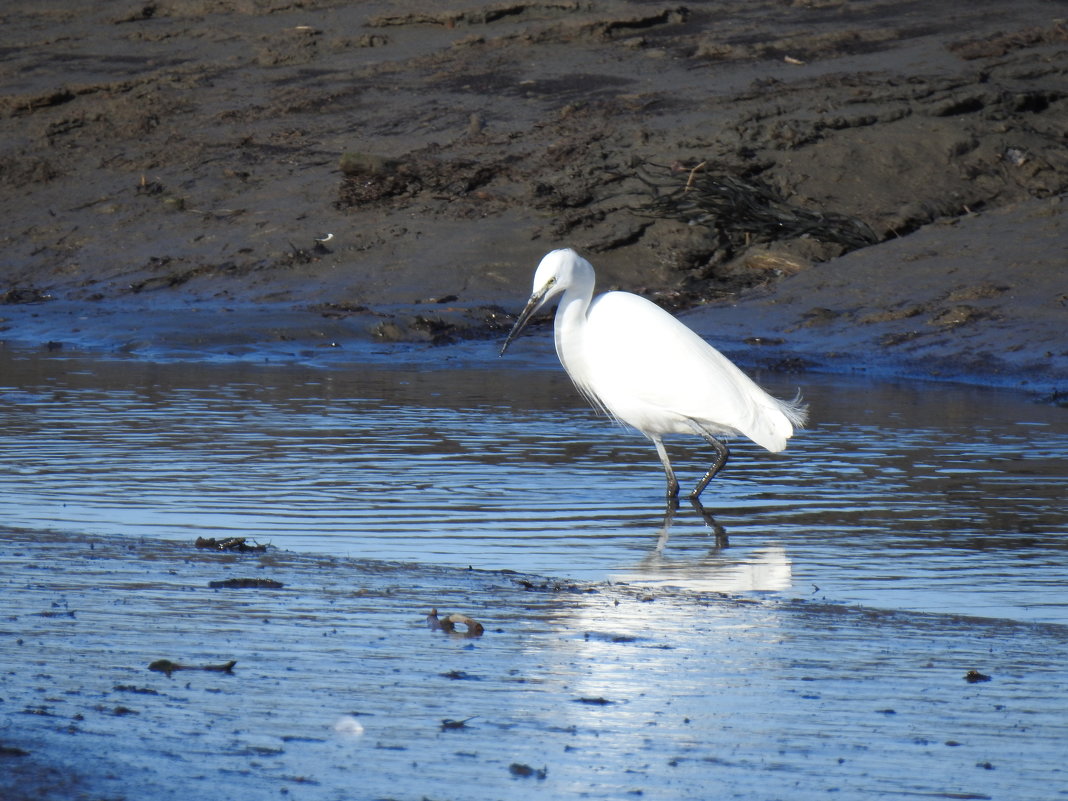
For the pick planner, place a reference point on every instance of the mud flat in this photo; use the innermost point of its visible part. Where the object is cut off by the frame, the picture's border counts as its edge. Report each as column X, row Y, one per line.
column 167, row 156
column 339, row 689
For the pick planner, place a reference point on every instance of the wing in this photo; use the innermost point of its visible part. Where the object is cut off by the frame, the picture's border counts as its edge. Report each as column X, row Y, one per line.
column 649, row 370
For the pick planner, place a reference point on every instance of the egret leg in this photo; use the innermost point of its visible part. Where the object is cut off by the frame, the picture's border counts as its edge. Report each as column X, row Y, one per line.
column 722, row 453
column 672, row 482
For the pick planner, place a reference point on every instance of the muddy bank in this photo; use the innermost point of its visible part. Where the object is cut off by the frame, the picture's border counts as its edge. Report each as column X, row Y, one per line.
column 166, row 155
column 603, row 691
column 978, row 298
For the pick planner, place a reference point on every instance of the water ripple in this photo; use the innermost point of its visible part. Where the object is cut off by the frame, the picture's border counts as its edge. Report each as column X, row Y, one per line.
column 898, row 496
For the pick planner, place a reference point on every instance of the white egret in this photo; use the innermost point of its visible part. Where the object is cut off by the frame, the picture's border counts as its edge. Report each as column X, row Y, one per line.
column 638, row 364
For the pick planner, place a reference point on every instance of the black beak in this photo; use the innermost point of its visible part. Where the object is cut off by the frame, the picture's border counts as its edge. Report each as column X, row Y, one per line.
column 525, row 315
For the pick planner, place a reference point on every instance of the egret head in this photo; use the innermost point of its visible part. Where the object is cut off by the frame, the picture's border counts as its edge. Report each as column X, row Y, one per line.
column 557, row 272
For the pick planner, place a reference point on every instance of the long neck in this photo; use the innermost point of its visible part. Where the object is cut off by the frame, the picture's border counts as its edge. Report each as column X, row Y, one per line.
column 570, row 325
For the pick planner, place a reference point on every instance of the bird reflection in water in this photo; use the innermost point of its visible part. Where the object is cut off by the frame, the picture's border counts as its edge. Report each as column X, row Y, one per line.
column 716, row 529
column 717, row 568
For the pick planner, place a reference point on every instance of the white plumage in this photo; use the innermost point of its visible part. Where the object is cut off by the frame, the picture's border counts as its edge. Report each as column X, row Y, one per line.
column 643, row 367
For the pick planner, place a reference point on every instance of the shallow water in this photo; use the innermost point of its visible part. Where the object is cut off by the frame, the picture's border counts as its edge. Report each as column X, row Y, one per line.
column 916, row 496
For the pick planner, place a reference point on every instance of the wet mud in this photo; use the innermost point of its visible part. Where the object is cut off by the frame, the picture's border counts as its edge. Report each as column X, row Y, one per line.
column 126, row 676
column 382, row 173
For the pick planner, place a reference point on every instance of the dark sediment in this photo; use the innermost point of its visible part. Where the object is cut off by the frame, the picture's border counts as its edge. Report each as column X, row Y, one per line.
column 165, row 156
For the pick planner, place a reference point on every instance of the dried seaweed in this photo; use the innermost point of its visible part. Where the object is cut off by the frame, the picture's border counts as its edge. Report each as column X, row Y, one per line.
column 168, row 667
column 230, row 544
column 742, row 210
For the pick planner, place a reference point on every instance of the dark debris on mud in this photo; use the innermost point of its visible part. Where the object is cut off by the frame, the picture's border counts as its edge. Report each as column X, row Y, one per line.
column 230, row 544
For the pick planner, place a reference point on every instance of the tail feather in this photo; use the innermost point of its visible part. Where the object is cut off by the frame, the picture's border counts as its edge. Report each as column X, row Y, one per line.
column 775, row 422
column 796, row 410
